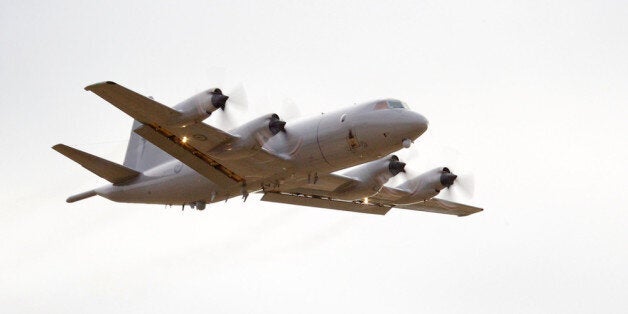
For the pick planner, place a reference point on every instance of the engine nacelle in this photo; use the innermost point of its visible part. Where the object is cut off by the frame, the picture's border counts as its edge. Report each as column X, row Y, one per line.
column 251, row 136
column 426, row 186
column 370, row 177
column 200, row 106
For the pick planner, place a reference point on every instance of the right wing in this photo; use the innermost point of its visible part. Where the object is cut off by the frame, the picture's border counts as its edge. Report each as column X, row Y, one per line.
column 440, row 206
column 317, row 201
column 321, row 194
column 188, row 144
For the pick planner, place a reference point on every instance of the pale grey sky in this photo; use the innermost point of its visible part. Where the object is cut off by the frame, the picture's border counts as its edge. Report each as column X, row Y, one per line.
column 533, row 94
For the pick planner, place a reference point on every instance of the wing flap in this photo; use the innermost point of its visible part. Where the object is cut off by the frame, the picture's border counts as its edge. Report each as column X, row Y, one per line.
column 190, row 156
column 324, row 203
column 440, row 206
column 103, row 168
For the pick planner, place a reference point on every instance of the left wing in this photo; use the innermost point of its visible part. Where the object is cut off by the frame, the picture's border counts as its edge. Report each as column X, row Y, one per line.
column 188, row 144
column 158, row 116
column 141, row 108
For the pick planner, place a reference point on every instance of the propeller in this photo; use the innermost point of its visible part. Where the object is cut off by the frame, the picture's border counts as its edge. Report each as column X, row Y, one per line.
column 238, row 97
column 457, row 186
column 276, row 125
column 286, row 143
column 398, row 167
column 395, row 166
column 233, row 103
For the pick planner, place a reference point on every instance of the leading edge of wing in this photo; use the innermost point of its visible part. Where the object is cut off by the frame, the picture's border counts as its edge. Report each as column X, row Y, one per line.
column 139, row 107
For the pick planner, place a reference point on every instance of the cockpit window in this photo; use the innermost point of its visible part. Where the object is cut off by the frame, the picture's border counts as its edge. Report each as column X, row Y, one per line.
column 381, row 105
column 390, row 104
column 396, row 104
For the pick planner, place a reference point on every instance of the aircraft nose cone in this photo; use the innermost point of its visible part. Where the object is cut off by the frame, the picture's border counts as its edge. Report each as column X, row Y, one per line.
column 421, row 123
column 415, row 123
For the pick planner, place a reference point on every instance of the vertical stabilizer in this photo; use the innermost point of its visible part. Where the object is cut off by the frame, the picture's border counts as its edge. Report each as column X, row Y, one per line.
column 141, row 155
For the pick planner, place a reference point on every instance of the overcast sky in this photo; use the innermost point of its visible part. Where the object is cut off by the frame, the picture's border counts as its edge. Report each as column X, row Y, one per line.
column 530, row 96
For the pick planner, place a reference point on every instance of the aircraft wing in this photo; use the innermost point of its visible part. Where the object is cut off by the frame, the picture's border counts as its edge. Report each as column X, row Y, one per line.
column 318, row 201
column 188, row 144
column 440, row 206
column 320, row 194
column 139, row 107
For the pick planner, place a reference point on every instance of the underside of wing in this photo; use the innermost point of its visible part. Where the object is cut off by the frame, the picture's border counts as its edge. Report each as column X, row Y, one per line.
column 321, row 194
column 388, row 195
column 440, row 206
column 317, row 201
column 321, row 185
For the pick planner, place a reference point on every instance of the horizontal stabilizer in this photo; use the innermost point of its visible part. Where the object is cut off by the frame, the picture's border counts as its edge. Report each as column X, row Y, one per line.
column 81, row 196
column 105, row 169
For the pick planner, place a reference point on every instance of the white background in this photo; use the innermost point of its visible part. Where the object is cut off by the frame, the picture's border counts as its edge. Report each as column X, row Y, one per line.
column 531, row 93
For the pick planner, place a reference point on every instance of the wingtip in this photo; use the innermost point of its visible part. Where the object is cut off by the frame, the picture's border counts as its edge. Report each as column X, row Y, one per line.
column 479, row 210
column 90, row 87
column 59, row 146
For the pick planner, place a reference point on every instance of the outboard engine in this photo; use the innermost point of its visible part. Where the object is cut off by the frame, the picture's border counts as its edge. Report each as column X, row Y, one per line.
column 200, row 106
column 426, row 186
column 370, row 177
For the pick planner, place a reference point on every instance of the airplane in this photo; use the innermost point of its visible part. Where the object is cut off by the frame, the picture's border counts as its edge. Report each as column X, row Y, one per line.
column 173, row 158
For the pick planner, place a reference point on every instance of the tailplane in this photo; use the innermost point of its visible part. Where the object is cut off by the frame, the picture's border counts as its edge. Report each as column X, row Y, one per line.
column 103, row 168
column 81, row 196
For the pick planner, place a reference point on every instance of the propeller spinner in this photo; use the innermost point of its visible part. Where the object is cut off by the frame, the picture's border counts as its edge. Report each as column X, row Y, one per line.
column 395, row 166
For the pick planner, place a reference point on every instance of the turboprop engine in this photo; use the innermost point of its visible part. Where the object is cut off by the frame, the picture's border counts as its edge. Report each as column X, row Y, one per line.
column 426, row 186
column 200, row 106
column 251, row 136
column 370, row 177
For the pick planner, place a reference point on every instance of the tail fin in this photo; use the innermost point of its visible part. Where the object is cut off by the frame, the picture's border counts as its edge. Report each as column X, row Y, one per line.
column 105, row 169
column 141, row 154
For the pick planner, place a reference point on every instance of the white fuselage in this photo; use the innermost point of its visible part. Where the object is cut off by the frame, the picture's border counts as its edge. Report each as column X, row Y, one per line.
column 318, row 145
